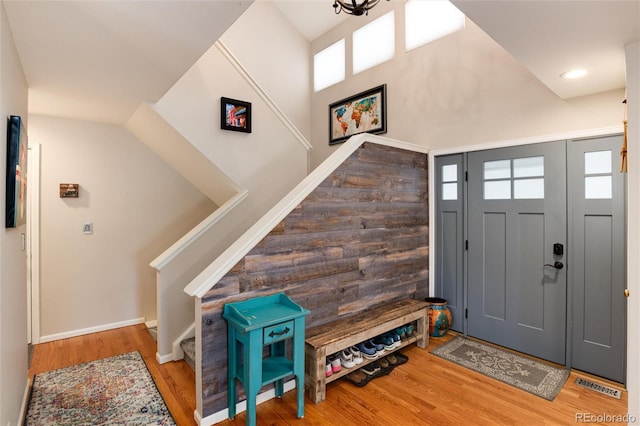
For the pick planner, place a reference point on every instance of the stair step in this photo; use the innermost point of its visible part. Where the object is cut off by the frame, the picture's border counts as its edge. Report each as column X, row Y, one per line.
column 189, row 348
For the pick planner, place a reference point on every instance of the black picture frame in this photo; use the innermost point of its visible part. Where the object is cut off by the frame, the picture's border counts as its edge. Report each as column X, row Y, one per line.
column 365, row 112
column 16, row 179
column 235, row 115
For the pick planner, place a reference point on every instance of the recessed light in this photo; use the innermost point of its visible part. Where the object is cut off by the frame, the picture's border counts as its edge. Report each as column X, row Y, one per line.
column 569, row 75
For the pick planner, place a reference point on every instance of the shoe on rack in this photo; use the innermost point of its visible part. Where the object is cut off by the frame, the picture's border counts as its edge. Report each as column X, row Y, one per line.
column 401, row 331
column 392, row 359
column 384, row 363
column 395, row 336
column 357, row 356
column 371, row 369
column 409, row 330
column 387, row 341
column 327, row 369
column 346, row 359
column 367, row 350
column 358, row 378
column 334, row 360
column 378, row 345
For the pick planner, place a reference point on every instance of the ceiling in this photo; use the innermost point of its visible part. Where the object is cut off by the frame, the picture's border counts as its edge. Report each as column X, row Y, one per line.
column 98, row 60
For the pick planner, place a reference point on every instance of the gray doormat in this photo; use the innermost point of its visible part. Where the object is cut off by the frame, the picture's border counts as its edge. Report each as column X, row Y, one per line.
column 532, row 376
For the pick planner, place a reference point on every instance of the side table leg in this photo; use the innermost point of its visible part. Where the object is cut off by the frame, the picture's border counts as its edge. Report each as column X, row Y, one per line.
column 252, row 374
column 231, row 372
column 298, row 363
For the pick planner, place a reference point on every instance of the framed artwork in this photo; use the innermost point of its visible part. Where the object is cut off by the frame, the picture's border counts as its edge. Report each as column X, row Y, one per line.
column 69, row 190
column 16, row 196
column 235, row 115
column 364, row 112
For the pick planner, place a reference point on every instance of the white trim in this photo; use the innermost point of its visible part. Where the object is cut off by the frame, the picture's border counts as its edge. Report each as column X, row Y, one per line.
column 240, row 406
column 163, row 359
column 220, row 266
column 151, row 324
column 431, row 187
column 33, row 243
column 179, row 246
column 578, row 134
column 25, row 401
column 265, row 97
column 89, row 330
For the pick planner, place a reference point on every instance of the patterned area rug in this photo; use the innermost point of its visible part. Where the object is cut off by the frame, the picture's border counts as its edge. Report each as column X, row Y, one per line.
column 112, row 391
column 523, row 373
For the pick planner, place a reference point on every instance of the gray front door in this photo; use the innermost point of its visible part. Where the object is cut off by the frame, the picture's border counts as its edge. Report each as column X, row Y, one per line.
column 597, row 257
column 517, row 235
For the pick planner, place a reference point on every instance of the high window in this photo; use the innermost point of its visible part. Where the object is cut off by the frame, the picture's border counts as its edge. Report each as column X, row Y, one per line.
column 374, row 43
column 426, row 21
column 329, row 66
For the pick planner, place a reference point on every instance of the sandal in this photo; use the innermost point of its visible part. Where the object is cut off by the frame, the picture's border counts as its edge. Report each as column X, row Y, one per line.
column 358, row 378
column 392, row 359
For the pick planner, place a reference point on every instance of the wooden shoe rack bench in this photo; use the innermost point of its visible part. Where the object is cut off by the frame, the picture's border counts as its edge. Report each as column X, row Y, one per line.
column 343, row 333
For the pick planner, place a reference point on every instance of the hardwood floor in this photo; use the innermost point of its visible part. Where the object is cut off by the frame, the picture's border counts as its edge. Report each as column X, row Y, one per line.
column 426, row 391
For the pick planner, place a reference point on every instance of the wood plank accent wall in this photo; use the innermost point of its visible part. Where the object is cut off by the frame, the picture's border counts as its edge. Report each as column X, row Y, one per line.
column 359, row 240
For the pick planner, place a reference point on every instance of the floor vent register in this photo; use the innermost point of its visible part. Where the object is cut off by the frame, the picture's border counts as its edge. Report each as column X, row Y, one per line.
column 607, row 390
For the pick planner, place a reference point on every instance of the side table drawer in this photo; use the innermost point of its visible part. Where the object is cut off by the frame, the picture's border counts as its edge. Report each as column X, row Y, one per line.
column 277, row 332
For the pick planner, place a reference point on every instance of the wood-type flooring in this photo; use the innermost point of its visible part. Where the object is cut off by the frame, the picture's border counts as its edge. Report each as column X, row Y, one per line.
column 425, row 391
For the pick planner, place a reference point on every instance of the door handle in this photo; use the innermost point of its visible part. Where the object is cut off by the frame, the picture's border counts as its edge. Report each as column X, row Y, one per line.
column 556, row 264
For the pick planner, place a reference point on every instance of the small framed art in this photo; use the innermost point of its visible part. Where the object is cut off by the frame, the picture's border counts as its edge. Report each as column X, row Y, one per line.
column 16, row 179
column 364, row 112
column 235, row 115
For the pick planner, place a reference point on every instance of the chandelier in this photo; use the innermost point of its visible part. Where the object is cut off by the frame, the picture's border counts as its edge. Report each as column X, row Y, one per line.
column 354, row 7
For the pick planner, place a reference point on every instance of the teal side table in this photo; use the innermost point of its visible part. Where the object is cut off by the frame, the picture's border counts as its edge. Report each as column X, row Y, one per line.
column 252, row 324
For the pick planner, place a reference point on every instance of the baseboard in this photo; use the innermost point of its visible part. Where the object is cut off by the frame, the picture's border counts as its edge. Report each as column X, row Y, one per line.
column 164, row 358
column 241, row 406
column 25, row 403
column 151, row 324
column 83, row 331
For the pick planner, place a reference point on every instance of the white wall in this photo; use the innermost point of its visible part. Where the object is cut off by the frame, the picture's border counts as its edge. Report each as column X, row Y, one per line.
column 138, row 206
column 13, row 266
column 277, row 56
column 463, row 89
column 269, row 161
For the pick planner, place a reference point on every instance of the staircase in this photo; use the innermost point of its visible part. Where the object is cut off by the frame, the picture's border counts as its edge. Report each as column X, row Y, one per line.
column 189, row 348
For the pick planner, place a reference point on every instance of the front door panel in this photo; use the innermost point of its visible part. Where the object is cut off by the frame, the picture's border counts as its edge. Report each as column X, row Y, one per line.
column 516, row 284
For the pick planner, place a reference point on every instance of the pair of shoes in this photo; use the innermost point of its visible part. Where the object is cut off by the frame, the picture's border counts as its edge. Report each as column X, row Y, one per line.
column 333, row 365
column 392, row 359
column 378, row 344
column 368, row 350
column 390, row 340
column 400, row 358
column 371, row 369
column 357, row 355
column 358, row 378
column 346, row 359
column 405, row 331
